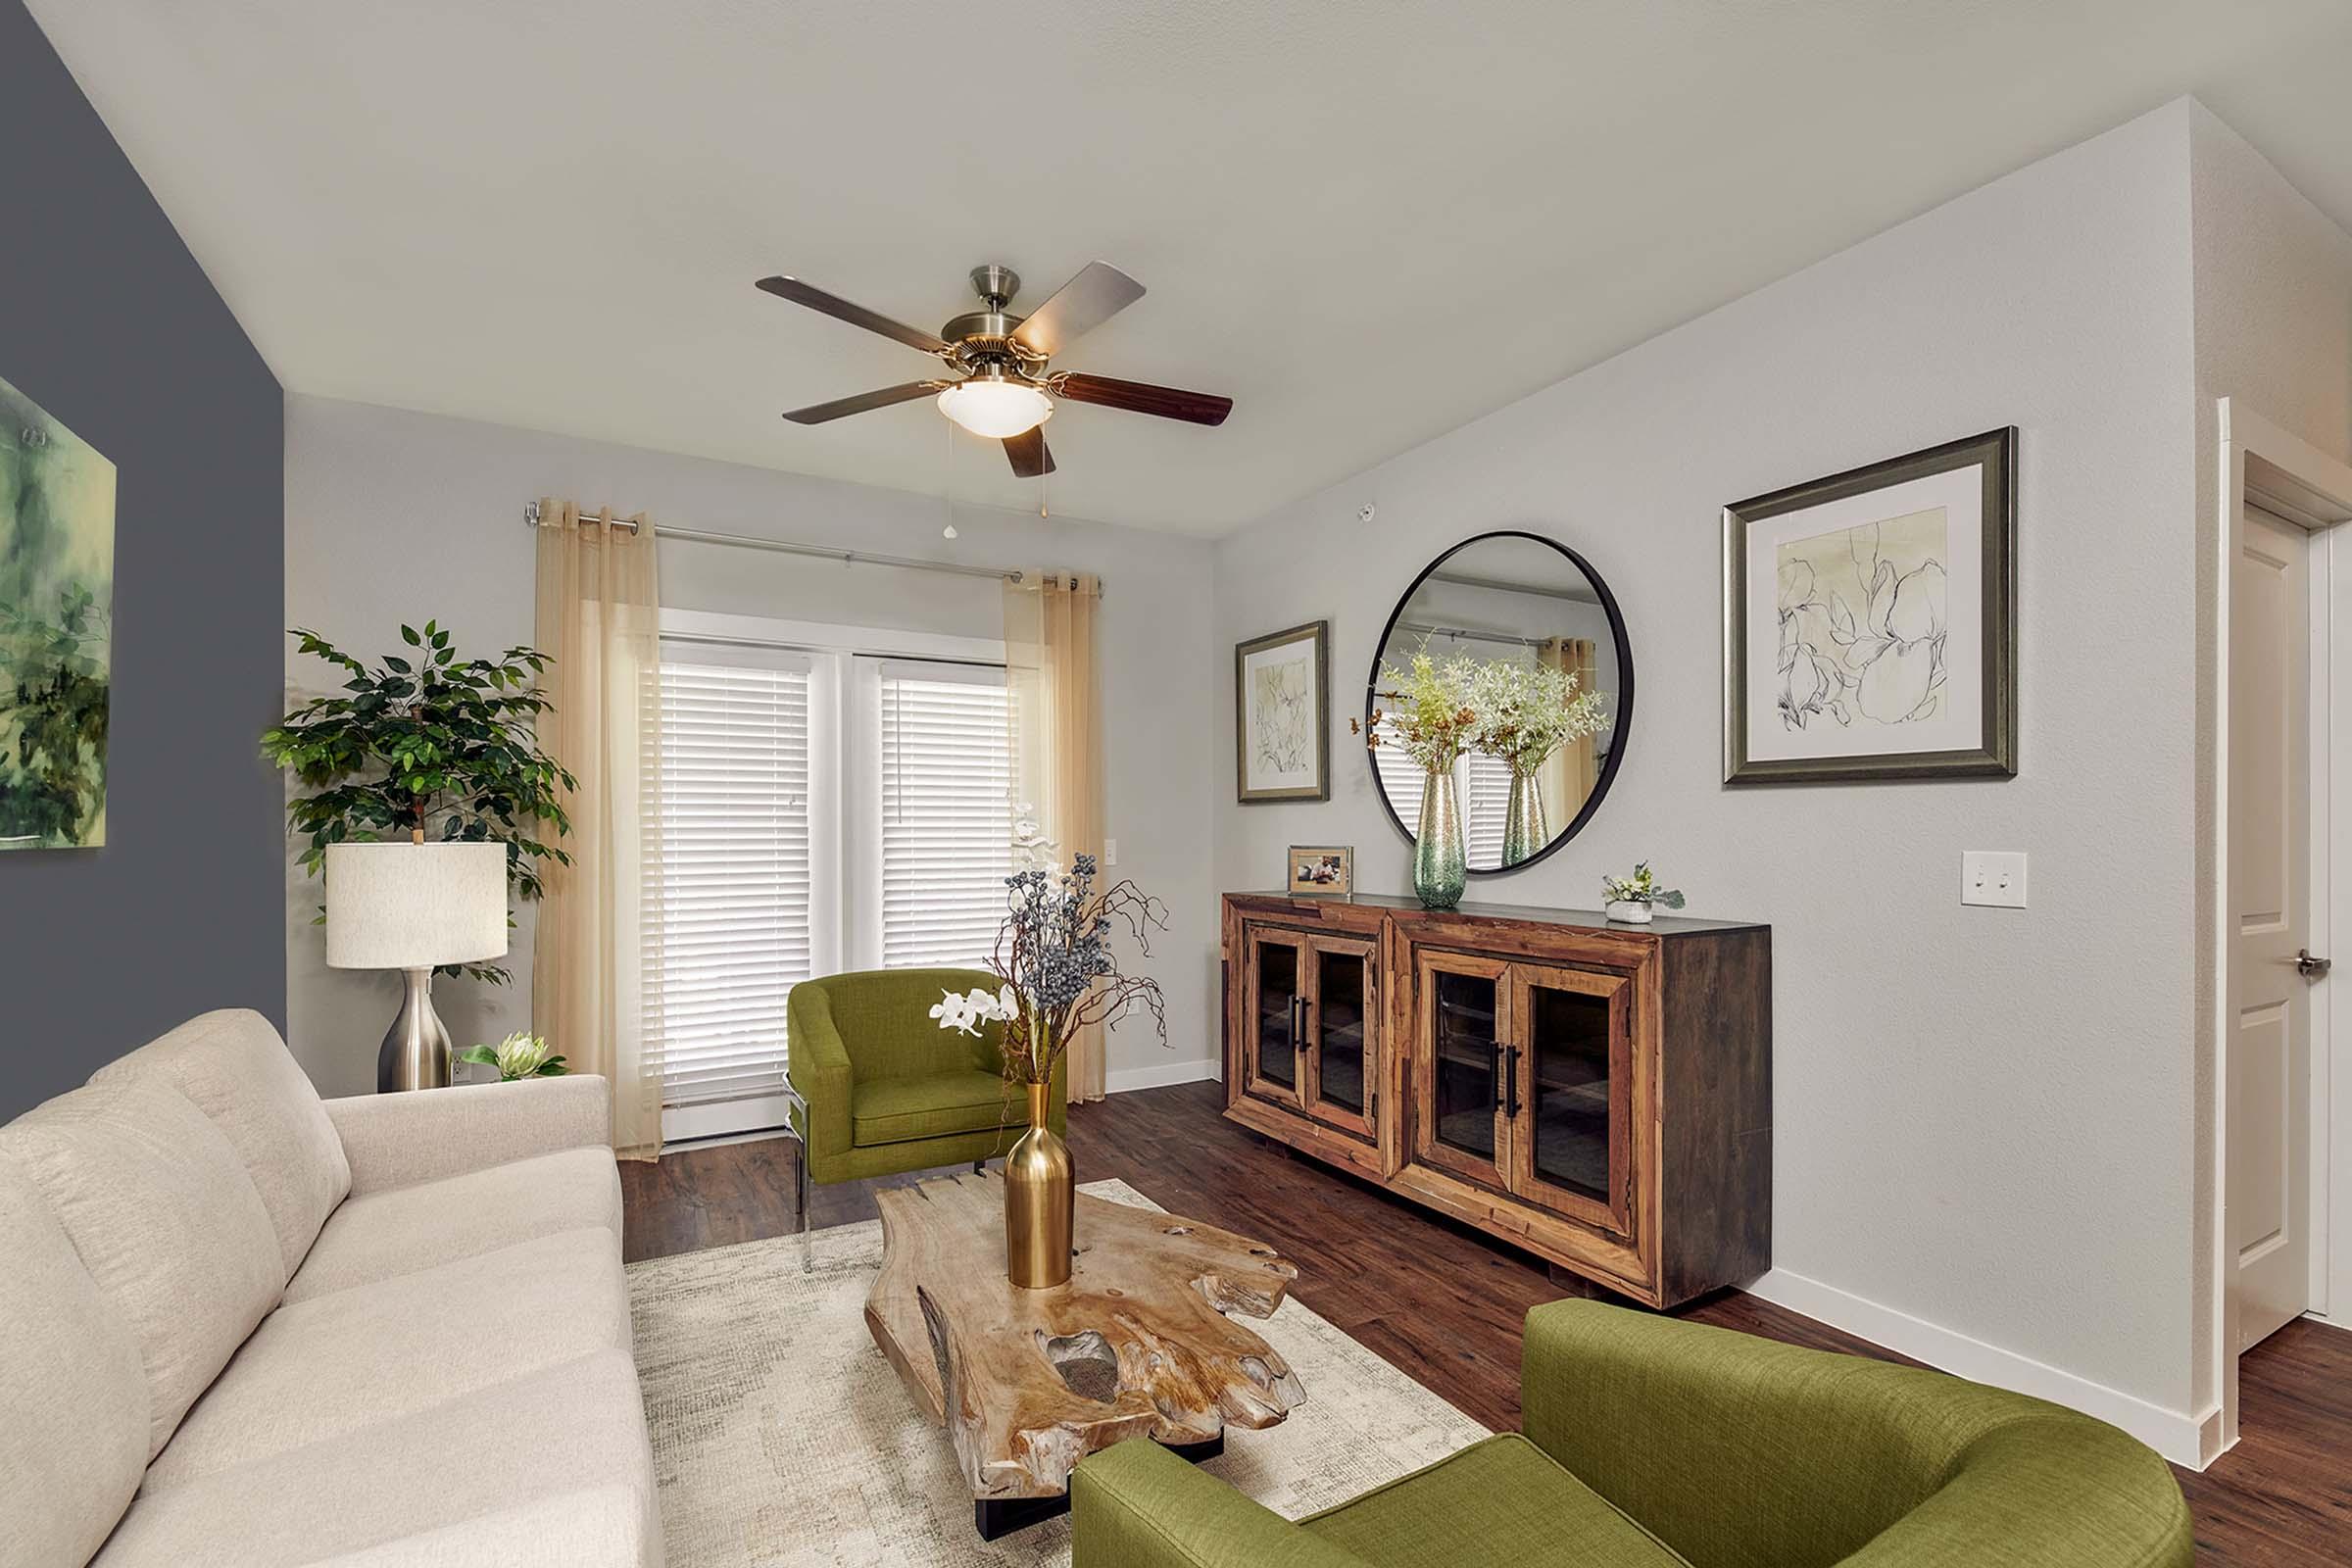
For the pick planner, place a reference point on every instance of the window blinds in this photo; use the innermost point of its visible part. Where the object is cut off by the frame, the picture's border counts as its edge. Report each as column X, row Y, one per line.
column 946, row 839
column 1486, row 804
column 1402, row 778
column 727, row 911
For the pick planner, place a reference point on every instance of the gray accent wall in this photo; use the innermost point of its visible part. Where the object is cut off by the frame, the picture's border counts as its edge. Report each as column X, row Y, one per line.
column 108, row 323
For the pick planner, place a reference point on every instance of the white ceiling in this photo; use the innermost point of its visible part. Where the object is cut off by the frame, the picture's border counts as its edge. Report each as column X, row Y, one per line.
column 1366, row 222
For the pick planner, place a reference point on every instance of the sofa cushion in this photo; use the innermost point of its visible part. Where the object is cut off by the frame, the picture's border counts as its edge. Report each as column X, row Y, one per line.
column 324, row 1367
column 572, row 1430
column 377, row 1236
column 1501, row 1504
column 898, row 1110
column 569, row 1530
column 235, row 1069
column 72, row 1393
column 163, row 1215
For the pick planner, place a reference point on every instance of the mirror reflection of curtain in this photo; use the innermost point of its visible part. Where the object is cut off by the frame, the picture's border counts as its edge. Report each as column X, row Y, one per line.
column 1567, row 777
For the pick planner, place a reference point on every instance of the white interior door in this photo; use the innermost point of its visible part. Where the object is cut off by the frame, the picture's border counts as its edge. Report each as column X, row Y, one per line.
column 2269, row 1141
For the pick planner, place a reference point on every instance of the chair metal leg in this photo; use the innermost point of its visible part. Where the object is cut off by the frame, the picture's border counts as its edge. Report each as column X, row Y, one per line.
column 803, row 1183
column 979, row 1168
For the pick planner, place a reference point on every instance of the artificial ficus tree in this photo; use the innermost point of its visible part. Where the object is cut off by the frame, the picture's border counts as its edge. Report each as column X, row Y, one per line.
column 431, row 746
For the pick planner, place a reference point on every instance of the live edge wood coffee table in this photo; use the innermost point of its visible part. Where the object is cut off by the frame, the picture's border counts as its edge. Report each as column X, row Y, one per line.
column 1030, row 1382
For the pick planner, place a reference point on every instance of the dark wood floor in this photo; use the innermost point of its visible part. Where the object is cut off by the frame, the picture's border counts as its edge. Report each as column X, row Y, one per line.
column 1446, row 1304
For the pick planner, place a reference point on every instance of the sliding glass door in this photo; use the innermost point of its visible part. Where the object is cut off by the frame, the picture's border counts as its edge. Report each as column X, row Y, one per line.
column 822, row 810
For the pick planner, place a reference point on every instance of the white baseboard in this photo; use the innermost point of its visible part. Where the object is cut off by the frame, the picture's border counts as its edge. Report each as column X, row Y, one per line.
column 1158, row 1075
column 2181, row 1438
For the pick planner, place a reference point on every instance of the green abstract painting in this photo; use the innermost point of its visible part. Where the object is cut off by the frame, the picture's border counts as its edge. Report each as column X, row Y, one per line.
column 57, row 594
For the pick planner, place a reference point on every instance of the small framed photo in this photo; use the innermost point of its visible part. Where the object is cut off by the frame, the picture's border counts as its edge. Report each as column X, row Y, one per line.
column 1323, row 869
column 1281, row 715
column 1870, row 623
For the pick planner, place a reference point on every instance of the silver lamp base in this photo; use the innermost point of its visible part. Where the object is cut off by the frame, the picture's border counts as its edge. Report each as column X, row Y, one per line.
column 415, row 1050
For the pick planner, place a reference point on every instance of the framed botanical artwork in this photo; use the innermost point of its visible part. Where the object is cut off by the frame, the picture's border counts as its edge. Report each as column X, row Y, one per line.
column 1870, row 623
column 1322, row 868
column 1281, row 714
column 57, row 600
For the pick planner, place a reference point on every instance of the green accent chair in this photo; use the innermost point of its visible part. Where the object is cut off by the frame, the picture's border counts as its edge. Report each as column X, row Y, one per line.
column 1657, row 1443
column 885, row 1089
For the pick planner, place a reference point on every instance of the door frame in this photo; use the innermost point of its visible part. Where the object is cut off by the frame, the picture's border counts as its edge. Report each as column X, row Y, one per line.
column 2263, row 465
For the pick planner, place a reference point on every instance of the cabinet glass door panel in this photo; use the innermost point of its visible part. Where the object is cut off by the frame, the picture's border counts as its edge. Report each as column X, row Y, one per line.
column 1574, row 1124
column 1343, row 1015
column 1276, row 987
column 1461, row 1095
column 1342, row 1029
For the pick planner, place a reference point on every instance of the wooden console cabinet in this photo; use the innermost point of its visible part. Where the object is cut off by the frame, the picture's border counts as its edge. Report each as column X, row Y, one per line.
column 1598, row 1095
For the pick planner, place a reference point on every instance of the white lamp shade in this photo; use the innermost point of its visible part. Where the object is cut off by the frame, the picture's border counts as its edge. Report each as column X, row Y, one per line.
column 415, row 905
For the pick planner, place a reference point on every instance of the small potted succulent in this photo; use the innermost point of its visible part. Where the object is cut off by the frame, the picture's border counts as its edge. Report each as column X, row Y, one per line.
column 1633, row 899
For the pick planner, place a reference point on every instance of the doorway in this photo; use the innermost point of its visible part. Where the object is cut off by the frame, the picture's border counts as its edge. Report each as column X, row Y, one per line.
column 2283, row 1214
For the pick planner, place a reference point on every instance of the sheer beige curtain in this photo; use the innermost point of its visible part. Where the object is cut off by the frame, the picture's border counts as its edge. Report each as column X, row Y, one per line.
column 1055, row 714
column 1567, row 775
column 599, row 622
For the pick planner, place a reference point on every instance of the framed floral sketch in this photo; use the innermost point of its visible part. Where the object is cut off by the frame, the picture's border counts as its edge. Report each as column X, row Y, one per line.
column 1870, row 621
column 1281, row 714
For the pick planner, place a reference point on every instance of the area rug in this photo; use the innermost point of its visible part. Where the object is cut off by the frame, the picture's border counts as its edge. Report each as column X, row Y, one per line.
column 782, row 1438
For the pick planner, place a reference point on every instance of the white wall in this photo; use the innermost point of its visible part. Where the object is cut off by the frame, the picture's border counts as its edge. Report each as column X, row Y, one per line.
column 1983, row 1139
column 393, row 516
column 2274, row 333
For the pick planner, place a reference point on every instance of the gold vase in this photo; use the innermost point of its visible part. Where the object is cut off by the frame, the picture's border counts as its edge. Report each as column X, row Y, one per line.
column 1039, row 1193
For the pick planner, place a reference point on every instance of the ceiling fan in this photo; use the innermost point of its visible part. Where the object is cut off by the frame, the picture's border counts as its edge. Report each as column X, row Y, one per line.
column 1002, row 388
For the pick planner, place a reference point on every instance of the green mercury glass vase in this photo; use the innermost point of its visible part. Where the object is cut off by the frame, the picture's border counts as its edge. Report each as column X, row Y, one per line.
column 1440, row 868
column 1523, row 831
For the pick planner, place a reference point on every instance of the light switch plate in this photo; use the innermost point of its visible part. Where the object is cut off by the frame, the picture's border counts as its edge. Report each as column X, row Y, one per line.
column 1994, row 878
column 1110, row 851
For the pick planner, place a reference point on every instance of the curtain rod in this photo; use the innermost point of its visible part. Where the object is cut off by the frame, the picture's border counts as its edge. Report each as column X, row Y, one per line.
column 1472, row 634
column 786, row 547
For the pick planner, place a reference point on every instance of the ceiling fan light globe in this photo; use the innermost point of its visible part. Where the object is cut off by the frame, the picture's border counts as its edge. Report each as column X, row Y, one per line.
column 996, row 410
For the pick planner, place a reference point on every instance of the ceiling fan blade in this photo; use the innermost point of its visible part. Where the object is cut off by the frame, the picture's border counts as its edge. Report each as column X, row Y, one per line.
column 842, row 408
column 1140, row 397
column 833, row 305
column 1028, row 452
column 1097, row 293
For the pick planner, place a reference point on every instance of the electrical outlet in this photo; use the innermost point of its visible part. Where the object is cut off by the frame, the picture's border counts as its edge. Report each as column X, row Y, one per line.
column 1110, row 851
column 1995, row 878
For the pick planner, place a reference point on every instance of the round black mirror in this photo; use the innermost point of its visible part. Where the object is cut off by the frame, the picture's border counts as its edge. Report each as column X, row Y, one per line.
column 1522, row 632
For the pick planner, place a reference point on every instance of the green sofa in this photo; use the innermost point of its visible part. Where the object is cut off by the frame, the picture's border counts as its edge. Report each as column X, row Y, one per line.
column 884, row 1089
column 1655, row 1443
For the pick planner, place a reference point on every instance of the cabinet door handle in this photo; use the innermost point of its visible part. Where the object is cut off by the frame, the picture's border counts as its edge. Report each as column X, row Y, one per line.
column 1510, row 1081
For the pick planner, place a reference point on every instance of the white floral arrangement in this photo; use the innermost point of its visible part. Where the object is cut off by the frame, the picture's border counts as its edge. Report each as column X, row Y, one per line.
column 1432, row 718
column 1526, row 713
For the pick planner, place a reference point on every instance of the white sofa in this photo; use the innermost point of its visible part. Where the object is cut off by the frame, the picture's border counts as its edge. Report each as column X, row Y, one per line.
column 240, row 1325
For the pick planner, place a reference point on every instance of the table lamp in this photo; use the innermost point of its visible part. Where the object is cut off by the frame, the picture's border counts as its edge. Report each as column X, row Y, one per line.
column 412, row 906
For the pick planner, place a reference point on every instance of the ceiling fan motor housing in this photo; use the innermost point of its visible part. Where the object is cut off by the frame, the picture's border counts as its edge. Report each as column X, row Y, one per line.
column 985, row 337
